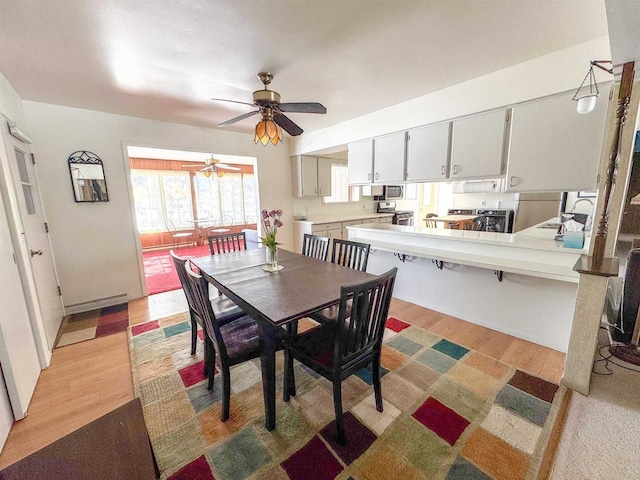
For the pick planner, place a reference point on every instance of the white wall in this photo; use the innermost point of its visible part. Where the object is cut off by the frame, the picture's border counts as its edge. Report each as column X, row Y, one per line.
column 95, row 244
column 555, row 72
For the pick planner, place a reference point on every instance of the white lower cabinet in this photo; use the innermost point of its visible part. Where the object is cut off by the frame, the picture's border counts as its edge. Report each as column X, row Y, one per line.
column 330, row 230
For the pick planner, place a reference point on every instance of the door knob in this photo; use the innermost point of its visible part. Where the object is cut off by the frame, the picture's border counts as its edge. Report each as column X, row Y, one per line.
column 36, row 252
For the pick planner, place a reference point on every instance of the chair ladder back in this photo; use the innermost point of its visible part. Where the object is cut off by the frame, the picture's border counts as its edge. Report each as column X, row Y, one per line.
column 350, row 254
column 200, row 293
column 228, row 242
column 315, row 246
column 363, row 331
column 181, row 267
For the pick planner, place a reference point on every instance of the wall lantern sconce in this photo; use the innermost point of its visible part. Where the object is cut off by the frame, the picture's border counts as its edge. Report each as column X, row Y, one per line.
column 586, row 100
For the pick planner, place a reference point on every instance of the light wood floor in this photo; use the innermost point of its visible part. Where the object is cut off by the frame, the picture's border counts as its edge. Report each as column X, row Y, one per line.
column 89, row 379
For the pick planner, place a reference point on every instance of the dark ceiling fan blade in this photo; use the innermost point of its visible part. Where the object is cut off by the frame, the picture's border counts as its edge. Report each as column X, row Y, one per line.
column 232, row 101
column 287, row 125
column 237, row 119
column 308, row 107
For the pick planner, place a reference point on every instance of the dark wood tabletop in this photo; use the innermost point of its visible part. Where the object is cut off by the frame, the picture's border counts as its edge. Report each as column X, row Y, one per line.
column 303, row 286
column 273, row 299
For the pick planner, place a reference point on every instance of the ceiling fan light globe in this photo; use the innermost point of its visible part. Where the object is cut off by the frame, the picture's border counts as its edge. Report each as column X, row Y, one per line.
column 586, row 104
column 268, row 131
column 271, row 129
column 207, row 173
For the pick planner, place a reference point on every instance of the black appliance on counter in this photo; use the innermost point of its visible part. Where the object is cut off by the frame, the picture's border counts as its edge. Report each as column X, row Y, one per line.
column 400, row 217
column 495, row 220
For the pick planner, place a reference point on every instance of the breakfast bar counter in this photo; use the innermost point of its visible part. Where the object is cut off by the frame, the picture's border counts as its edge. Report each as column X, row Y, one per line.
column 530, row 252
column 522, row 284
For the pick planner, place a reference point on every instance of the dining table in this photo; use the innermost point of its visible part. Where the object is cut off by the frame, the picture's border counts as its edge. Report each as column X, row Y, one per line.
column 200, row 228
column 275, row 299
column 463, row 222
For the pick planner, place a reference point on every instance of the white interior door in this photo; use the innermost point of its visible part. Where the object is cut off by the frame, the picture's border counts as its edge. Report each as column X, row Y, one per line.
column 18, row 353
column 37, row 241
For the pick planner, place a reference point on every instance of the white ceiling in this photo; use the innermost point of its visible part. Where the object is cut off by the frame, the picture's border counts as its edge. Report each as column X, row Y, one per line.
column 165, row 60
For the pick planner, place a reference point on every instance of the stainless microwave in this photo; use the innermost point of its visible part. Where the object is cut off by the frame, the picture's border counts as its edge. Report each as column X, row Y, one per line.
column 391, row 192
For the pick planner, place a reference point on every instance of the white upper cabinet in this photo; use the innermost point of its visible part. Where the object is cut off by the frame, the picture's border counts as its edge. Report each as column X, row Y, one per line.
column 311, row 176
column 428, row 153
column 389, row 158
column 360, row 160
column 554, row 148
column 477, row 146
column 324, row 176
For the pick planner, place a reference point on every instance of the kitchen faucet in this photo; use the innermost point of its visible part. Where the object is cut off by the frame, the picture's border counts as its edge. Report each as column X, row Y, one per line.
column 587, row 227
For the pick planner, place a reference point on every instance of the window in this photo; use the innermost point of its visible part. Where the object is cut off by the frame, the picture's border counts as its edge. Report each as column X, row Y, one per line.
column 340, row 191
column 167, row 194
column 160, row 195
column 27, row 187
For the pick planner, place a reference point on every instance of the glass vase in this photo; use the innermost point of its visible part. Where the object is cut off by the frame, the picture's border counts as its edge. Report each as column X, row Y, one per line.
column 272, row 257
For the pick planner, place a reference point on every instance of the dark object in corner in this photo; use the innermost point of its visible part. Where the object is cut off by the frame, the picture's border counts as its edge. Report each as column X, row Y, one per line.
column 113, row 447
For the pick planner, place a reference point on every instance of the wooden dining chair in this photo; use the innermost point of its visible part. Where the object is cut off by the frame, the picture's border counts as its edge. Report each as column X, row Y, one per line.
column 337, row 350
column 430, row 223
column 227, row 242
column 231, row 343
column 315, row 246
column 350, row 254
column 224, row 309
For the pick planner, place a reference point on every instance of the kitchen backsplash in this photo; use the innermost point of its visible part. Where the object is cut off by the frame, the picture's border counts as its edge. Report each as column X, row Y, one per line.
column 313, row 206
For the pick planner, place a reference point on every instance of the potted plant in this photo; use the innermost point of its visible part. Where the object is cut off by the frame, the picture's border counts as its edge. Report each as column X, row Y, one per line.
column 270, row 224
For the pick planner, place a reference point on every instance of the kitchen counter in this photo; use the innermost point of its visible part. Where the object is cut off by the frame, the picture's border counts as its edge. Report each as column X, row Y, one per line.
column 532, row 251
column 521, row 284
column 342, row 217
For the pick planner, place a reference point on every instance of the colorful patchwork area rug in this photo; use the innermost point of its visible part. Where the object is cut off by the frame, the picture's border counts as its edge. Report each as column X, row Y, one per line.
column 449, row 413
column 79, row 327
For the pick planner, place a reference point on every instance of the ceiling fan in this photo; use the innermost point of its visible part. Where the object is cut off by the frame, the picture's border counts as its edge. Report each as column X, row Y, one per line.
column 212, row 165
column 272, row 111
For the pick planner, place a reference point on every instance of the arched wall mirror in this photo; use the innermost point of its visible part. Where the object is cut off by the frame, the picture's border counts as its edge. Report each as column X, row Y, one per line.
column 87, row 177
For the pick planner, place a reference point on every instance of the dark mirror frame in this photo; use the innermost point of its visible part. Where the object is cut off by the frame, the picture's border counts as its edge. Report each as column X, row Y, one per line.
column 94, row 189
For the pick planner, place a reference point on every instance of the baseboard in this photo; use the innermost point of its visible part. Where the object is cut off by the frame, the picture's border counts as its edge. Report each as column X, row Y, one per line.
column 95, row 304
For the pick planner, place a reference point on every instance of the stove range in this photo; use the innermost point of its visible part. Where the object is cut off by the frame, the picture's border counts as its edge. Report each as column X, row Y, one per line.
column 400, row 217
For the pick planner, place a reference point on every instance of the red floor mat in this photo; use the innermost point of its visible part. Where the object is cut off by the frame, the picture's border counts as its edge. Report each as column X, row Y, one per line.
column 159, row 271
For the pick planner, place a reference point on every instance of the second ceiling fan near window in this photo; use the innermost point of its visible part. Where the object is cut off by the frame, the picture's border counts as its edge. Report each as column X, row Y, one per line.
column 213, row 165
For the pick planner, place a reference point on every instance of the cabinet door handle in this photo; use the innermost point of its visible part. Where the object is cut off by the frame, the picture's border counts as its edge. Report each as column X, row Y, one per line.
column 455, row 169
column 369, row 176
column 442, row 170
column 319, row 191
column 315, row 190
column 513, row 181
column 376, row 176
column 35, row 252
